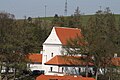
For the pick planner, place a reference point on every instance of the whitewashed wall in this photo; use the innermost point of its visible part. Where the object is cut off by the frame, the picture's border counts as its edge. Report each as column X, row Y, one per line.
column 35, row 66
column 52, row 45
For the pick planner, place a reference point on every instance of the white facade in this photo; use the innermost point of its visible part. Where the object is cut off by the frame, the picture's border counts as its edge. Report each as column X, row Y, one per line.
column 53, row 38
column 34, row 66
column 51, row 47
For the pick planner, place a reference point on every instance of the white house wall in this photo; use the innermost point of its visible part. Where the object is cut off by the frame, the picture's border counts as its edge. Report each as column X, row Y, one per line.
column 48, row 50
column 35, row 66
column 52, row 46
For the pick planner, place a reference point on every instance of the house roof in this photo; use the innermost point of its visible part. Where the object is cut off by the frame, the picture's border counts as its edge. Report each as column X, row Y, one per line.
column 116, row 61
column 64, row 34
column 60, row 60
column 35, row 57
column 53, row 77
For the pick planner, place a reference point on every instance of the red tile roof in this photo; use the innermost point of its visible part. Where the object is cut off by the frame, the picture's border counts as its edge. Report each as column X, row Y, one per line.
column 116, row 61
column 51, row 77
column 64, row 34
column 67, row 61
column 35, row 57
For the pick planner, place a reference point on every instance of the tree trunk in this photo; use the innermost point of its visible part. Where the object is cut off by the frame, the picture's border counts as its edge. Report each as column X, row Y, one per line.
column 0, row 71
column 6, row 73
column 86, row 71
column 14, row 74
column 109, row 78
column 96, row 76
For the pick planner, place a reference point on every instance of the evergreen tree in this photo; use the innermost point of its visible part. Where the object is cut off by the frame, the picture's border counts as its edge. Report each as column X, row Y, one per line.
column 56, row 20
column 75, row 20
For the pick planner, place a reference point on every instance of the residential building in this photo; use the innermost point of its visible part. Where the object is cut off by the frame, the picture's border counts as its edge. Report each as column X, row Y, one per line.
column 35, row 61
column 54, row 45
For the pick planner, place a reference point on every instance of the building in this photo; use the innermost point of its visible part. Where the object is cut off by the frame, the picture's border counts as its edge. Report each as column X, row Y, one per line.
column 35, row 61
column 68, row 65
column 53, row 47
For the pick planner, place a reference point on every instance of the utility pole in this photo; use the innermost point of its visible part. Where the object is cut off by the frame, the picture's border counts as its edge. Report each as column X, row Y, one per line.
column 45, row 11
column 66, row 8
column 100, row 8
column 45, row 23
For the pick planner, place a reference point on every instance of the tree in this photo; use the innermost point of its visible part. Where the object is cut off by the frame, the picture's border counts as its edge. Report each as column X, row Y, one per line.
column 40, row 34
column 102, row 42
column 6, row 36
column 56, row 20
column 15, row 43
column 75, row 20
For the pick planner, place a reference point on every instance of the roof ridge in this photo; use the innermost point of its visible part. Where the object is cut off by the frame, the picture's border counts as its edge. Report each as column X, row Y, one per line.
column 67, row 27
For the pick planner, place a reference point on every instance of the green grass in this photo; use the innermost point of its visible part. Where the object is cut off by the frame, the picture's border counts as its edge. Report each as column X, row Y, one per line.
column 85, row 18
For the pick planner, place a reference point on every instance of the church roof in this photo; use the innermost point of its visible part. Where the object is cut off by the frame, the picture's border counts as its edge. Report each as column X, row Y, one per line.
column 64, row 34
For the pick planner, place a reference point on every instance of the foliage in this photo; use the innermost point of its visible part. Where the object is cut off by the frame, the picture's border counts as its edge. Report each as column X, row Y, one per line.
column 17, row 39
column 40, row 34
column 74, row 21
column 103, row 41
column 9, row 49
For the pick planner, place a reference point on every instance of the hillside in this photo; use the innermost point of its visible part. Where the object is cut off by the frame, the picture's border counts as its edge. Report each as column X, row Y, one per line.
column 49, row 20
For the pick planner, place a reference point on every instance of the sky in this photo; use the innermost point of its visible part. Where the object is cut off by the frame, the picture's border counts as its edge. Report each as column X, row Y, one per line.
column 36, row 8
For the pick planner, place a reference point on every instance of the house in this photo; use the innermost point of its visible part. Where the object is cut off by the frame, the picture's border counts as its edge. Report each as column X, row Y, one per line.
column 70, row 65
column 53, row 46
column 35, row 61
column 55, row 77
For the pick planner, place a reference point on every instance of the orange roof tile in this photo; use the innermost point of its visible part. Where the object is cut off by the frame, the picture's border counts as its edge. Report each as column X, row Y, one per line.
column 35, row 57
column 116, row 61
column 67, row 60
column 64, row 34
column 52, row 77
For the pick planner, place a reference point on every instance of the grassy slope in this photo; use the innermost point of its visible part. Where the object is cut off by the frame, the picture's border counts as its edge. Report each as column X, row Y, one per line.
column 84, row 18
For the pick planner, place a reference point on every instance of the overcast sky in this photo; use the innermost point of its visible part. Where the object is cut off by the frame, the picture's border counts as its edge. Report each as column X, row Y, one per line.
column 35, row 8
